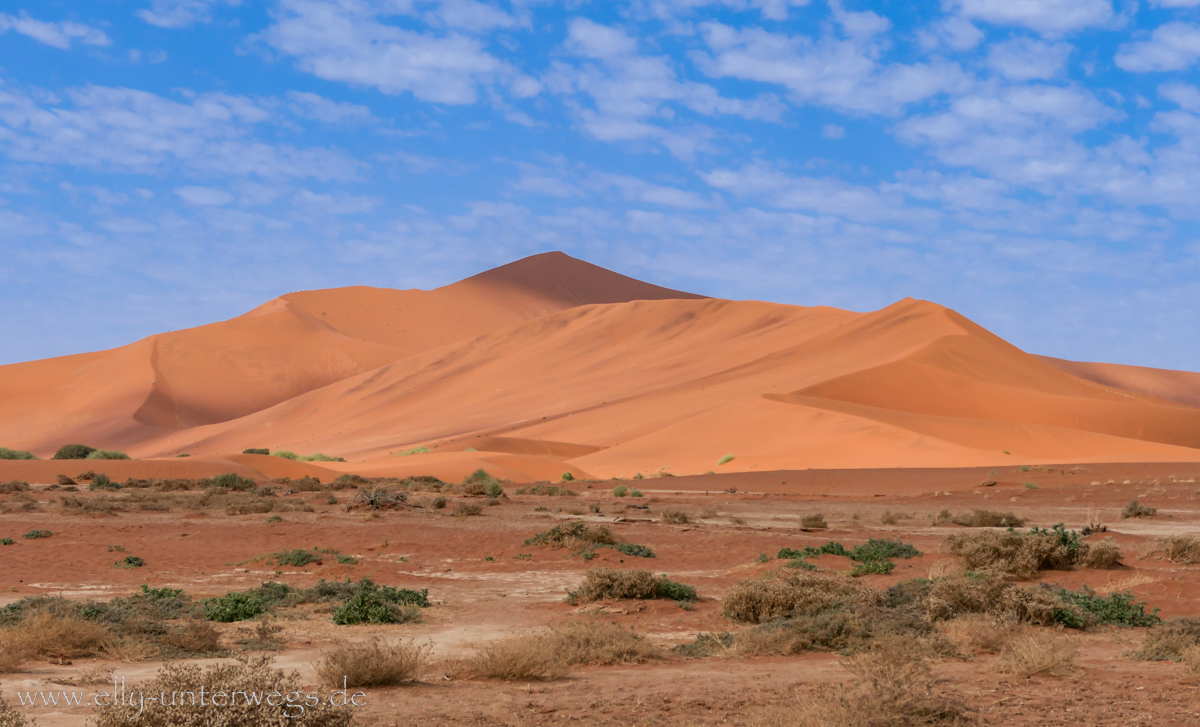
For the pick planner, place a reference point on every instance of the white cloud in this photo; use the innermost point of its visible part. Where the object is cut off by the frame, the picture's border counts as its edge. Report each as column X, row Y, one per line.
column 59, row 35
column 770, row 9
column 639, row 190
column 1049, row 17
column 1024, row 59
column 337, row 203
column 1175, row 3
column 634, row 97
column 471, row 16
column 824, row 195
column 204, row 196
column 312, row 106
column 180, row 13
column 347, row 40
column 1182, row 94
column 832, row 131
column 128, row 130
column 839, row 73
column 1172, row 47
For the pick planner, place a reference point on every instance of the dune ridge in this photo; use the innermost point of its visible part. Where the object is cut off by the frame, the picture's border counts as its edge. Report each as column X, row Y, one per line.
column 551, row 365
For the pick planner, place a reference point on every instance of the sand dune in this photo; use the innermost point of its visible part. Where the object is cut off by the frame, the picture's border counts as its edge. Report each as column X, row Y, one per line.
column 551, row 365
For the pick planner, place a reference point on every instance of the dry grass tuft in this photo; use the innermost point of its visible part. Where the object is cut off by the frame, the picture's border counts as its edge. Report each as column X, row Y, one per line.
column 573, row 534
column 676, row 517
column 1178, row 549
column 602, row 644
column 977, row 633
column 1170, row 640
column 1191, row 659
column 519, row 658
column 981, row 519
column 467, row 509
column 47, row 634
column 10, row 717
column 373, row 664
column 815, row 521
column 893, row 688
column 1010, row 554
column 782, row 595
column 601, row 583
column 1038, row 654
column 1137, row 509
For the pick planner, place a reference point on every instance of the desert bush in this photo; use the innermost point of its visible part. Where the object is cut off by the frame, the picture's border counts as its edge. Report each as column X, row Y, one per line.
column 1021, row 555
column 635, row 550
column 676, row 517
column 256, row 450
column 635, row 493
column 7, row 541
column 11, row 717
column 6, row 453
column 373, row 664
column 784, row 595
column 573, row 534
column 318, row 457
column 872, row 568
column 620, row 491
column 1036, row 654
column 467, row 509
column 20, row 502
column 250, row 674
column 548, row 490
column 979, row 633
column 297, row 557
column 130, row 561
column 1178, row 549
column 373, row 603
column 256, row 506
column 726, row 459
column 894, row 687
column 100, row 505
column 63, row 481
column 12, row 486
column 73, row 451
column 601, row 644
column 230, row 481
column 102, row 482
column 815, row 521
column 380, row 497
column 601, row 583
column 106, row 454
column 37, row 534
column 1169, row 640
column 1137, row 509
column 480, row 482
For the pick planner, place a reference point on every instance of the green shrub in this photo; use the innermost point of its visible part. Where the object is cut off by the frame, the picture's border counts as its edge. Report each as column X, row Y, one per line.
column 620, row 491
column 601, row 583
column 726, row 459
column 318, row 457
column 256, row 450
column 376, row 604
column 1118, row 608
column 637, row 551
column 882, row 549
column 830, row 548
column 571, row 534
column 414, row 450
column 493, row 489
column 635, row 493
column 480, row 482
column 130, row 561
column 7, row 541
column 106, row 454
column 6, row 453
column 567, row 476
column 285, row 454
column 73, row 451
column 872, row 567
column 297, row 557
column 102, row 482
column 548, row 490
column 37, row 534
column 1137, row 509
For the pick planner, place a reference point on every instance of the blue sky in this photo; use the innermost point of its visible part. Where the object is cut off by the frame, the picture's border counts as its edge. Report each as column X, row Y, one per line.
column 1033, row 164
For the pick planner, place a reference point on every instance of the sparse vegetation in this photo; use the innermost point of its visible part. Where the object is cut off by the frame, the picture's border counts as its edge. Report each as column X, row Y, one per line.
column 567, row 477
column 73, row 451
column 373, row 664
column 130, row 561
column 1036, row 654
column 298, row 557
column 318, row 457
column 980, row 519
column 414, row 450
column 230, row 481
column 726, row 459
column 372, row 603
column 676, row 517
column 480, row 482
column 37, row 534
column 635, row 493
column 256, row 450
column 785, row 595
column 573, row 534
column 380, row 497
column 547, row 491
column 6, row 453
column 550, row 654
column 1137, row 509
column 635, row 550
column 250, row 674
column 102, row 482
column 603, row 583
column 1178, row 549
column 620, row 491
column 1014, row 554
column 467, row 509
column 815, row 521
column 1169, row 641
column 106, row 454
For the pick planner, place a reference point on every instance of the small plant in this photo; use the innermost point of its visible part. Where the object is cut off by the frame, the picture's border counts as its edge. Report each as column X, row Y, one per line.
column 872, row 567
column 602, row 583
column 414, row 450
column 37, row 534
column 234, row 606
column 572, row 534
column 635, row 493
column 764, row 558
column 620, row 491
column 639, row 476
column 7, row 541
column 637, row 551
column 297, row 557
column 130, row 561
column 726, row 459
column 106, row 454
column 256, row 450
column 372, row 664
column 230, row 481
column 548, row 491
column 73, row 451
column 567, row 476
column 1137, row 509
column 1031, row 486
column 813, row 522
column 480, row 482
column 116, row 549
column 331, row 500
column 372, row 603
column 676, row 517
column 102, row 482
column 467, row 509
column 274, row 519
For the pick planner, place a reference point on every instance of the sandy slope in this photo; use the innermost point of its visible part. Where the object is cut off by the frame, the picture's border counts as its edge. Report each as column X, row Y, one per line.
column 551, row 365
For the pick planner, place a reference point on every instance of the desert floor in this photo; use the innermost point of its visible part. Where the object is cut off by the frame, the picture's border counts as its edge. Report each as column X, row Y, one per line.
column 486, row 584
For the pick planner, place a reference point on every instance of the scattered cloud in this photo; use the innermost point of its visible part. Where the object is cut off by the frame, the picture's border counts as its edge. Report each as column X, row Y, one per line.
column 58, row 35
column 1048, row 17
column 180, row 13
column 1025, row 59
column 204, row 196
column 319, row 108
column 1172, row 47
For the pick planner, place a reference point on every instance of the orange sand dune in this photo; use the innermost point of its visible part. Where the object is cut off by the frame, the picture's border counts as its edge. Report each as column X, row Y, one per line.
column 1180, row 386
column 551, row 365
column 128, row 397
